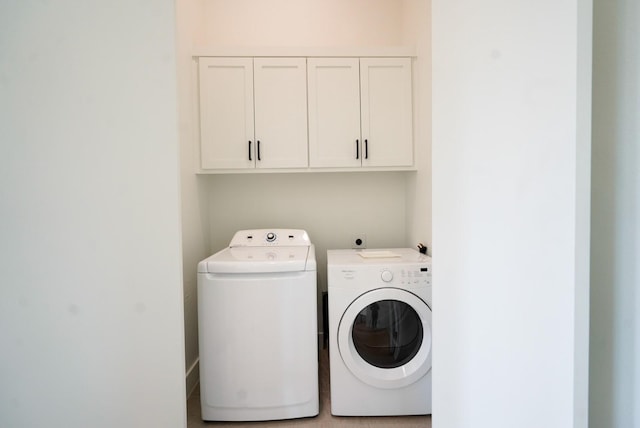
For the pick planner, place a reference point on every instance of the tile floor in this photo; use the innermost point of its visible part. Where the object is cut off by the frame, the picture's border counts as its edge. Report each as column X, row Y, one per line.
column 323, row 420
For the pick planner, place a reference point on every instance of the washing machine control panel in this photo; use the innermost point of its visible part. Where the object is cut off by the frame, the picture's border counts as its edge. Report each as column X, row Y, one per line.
column 270, row 238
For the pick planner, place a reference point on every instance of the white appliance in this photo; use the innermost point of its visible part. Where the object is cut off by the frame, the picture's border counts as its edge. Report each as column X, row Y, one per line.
column 257, row 320
column 379, row 332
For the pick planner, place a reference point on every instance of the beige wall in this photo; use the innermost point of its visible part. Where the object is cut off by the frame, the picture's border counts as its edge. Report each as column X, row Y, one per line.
column 303, row 22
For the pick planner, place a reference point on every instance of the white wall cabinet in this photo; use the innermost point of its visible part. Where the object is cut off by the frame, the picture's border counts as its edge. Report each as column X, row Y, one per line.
column 387, row 111
column 253, row 113
column 280, row 97
column 226, row 113
column 334, row 112
column 360, row 112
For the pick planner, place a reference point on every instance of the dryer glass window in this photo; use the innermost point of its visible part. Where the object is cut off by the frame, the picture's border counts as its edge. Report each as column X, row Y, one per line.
column 387, row 333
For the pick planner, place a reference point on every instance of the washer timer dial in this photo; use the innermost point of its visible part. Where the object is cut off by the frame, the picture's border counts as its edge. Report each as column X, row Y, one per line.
column 386, row 275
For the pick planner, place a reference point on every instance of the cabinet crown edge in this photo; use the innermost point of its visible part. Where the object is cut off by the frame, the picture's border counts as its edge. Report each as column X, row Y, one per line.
column 245, row 51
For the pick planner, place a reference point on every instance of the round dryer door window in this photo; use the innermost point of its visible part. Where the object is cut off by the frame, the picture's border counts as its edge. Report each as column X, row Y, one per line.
column 384, row 338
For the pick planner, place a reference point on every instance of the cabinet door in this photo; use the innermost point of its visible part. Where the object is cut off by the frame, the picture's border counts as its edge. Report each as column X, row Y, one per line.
column 387, row 123
column 226, row 113
column 334, row 112
column 280, row 99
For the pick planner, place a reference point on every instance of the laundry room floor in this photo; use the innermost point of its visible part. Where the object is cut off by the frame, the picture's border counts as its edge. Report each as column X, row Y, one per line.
column 323, row 420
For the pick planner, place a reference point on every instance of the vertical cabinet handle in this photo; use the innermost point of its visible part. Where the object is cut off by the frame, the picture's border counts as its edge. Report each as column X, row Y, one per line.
column 366, row 149
column 357, row 149
column 259, row 150
column 250, row 150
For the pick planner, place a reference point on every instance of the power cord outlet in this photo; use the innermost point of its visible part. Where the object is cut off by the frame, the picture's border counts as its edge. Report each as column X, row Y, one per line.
column 359, row 241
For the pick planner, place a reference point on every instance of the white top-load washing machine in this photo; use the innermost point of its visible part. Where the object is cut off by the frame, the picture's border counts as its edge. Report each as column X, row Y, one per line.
column 379, row 332
column 257, row 320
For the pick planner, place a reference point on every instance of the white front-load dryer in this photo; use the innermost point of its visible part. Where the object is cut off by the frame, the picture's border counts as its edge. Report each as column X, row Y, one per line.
column 379, row 332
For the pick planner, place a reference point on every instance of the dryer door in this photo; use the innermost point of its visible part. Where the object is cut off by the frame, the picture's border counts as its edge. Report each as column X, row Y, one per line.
column 384, row 338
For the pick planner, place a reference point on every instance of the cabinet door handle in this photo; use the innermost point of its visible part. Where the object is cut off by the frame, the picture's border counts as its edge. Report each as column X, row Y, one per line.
column 366, row 149
column 357, row 149
column 250, row 150
column 259, row 150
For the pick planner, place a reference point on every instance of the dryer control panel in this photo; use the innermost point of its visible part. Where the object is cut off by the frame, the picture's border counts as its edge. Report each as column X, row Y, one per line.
column 407, row 276
column 413, row 276
column 395, row 267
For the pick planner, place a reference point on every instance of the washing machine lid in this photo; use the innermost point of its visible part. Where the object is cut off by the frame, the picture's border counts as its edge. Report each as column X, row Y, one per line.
column 259, row 260
column 263, row 251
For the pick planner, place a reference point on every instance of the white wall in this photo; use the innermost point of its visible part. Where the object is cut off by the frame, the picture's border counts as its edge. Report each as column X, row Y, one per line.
column 615, row 271
column 417, row 31
column 90, row 273
column 330, row 206
column 195, row 239
column 511, row 218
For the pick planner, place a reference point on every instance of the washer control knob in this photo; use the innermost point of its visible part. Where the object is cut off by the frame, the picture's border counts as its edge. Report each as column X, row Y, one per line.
column 386, row 275
column 271, row 237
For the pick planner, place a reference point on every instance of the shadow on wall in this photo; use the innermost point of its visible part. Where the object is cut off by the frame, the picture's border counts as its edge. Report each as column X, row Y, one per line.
column 615, row 233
